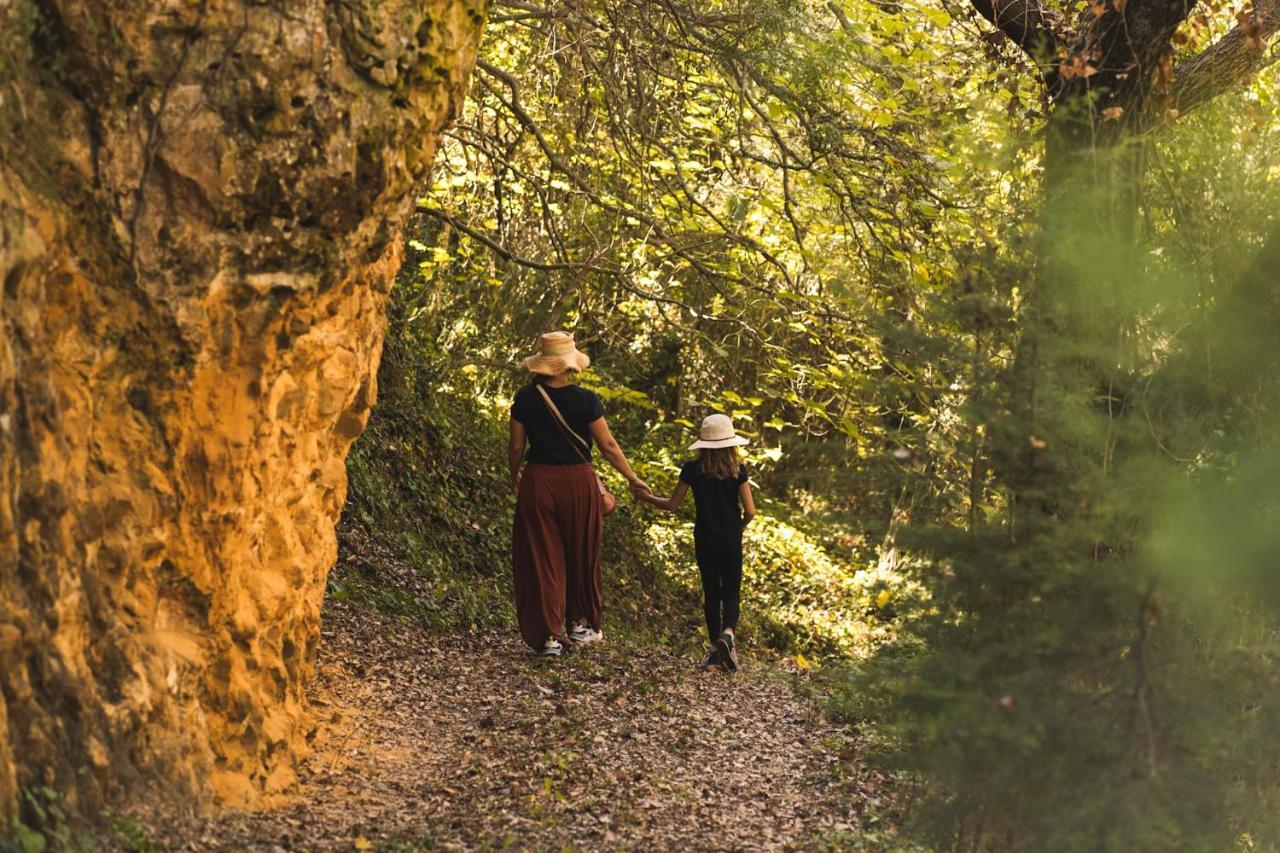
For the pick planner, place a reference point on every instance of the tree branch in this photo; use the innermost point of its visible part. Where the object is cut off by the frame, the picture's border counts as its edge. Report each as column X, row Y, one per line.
column 1228, row 62
column 514, row 106
column 510, row 255
column 1029, row 26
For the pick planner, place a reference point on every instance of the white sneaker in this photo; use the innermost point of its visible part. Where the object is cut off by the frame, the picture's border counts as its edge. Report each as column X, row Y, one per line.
column 551, row 648
column 585, row 634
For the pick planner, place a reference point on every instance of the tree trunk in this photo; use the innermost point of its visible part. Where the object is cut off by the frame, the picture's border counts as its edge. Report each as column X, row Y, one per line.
column 1111, row 84
column 1070, row 359
column 200, row 206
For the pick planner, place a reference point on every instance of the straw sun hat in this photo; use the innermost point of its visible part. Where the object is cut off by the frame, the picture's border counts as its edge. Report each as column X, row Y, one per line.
column 717, row 431
column 556, row 354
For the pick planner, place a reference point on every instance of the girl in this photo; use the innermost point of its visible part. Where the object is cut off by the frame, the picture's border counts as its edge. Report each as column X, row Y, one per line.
column 719, row 482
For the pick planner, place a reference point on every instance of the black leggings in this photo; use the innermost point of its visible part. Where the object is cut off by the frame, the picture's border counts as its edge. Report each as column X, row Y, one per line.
column 720, row 564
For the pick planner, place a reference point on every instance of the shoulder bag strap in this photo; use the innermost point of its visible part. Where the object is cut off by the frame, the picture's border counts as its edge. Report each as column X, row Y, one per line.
column 579, row 444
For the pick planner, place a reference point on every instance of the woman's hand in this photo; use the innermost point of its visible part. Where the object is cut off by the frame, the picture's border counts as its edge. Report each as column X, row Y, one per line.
column 515, row 483
column 640, row 489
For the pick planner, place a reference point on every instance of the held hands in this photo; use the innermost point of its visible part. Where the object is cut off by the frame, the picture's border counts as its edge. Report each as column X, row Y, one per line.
column 640, row 490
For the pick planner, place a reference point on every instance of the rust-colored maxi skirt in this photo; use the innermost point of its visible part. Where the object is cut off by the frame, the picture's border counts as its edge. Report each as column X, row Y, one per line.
column 556, row 550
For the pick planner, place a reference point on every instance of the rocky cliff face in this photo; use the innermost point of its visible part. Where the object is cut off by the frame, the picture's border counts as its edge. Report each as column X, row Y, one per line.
column 200, row 206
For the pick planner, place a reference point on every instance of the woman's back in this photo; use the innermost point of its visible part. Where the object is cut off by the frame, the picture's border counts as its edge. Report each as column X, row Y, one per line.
column 548, row 444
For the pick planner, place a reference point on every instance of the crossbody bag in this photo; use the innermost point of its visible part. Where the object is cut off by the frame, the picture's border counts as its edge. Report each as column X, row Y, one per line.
column 580, row 445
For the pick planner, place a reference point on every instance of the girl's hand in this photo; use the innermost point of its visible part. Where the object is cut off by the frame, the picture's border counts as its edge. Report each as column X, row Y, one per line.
column 640, row 489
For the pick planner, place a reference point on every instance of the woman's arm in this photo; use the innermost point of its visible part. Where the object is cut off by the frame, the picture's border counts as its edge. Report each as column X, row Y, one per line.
column 748, row 503
column 515, row 452
column 667, row 503
column 610, row 450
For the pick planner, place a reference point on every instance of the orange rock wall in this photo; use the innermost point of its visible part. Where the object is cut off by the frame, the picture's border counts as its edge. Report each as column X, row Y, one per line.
column 200, row 207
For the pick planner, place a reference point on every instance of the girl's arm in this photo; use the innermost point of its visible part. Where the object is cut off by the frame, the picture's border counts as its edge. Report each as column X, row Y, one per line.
column 515, row 452
column 748, row 503
column 667, row 503
column 610, row 449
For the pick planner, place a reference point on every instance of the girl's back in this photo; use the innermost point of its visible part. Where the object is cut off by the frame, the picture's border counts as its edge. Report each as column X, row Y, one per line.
column 719, row 514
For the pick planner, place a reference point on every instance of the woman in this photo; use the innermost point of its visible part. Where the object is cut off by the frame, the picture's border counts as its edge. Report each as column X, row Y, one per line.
column 559, row 511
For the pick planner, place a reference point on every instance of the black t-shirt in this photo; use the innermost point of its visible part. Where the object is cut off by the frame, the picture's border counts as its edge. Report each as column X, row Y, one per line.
column 719, row 513
column 548, row 444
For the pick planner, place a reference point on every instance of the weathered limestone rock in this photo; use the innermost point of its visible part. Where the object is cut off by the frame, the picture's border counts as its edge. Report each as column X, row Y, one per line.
column 200, row 205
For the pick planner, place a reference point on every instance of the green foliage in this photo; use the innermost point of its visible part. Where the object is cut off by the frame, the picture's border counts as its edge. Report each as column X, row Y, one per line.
column 798, row 597
column 740, row 222
column 127, row 832
column 427, row 529
column 1031, row 471
column 43, row 825
column 426, row 533
column 1097, row 670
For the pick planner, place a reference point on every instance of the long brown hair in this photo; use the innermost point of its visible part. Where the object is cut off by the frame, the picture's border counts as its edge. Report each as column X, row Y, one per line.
column 719, row 463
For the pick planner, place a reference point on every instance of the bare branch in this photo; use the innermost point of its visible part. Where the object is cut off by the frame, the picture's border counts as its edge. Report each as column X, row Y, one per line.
column 503, row 252
column 513, row 104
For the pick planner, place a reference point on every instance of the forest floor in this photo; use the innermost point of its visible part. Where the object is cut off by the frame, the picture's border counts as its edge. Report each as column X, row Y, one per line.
column 450, row 742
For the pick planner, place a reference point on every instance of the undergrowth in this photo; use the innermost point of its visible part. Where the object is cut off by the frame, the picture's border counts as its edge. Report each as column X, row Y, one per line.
column 426, row 533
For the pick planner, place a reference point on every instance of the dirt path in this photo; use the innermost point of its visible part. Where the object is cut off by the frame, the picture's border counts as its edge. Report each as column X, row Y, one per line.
column 433, row 742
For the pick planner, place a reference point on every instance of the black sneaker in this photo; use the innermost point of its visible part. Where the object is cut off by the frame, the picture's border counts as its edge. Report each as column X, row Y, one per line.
column 712, row 658
column 728, row 653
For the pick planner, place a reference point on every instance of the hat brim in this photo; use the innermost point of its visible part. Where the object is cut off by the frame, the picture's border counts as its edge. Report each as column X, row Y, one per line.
column 732, row 441
column 554, row 365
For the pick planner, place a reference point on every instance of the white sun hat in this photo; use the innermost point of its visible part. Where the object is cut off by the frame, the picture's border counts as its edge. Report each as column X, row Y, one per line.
column 556, row 354
column 717, row 431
